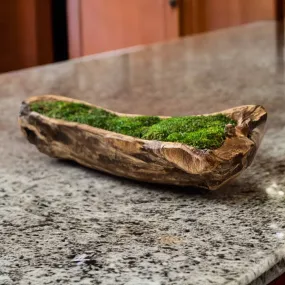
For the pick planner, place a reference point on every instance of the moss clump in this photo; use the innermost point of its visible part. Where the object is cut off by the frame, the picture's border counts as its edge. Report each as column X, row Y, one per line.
column 203, row 132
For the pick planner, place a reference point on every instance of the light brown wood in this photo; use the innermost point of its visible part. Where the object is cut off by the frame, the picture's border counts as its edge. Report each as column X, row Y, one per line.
column 256, row 10
column 147, row 160
column 74, row 28
column 206, row 15
column 102, row 25
column 171, row 22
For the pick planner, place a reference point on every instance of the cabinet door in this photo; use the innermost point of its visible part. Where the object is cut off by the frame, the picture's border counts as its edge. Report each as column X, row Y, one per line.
column 101, row 25
column 206, row 15
column 26, row 38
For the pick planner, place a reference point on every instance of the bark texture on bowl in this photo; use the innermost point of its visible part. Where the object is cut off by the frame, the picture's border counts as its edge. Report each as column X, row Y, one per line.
column 147, row 160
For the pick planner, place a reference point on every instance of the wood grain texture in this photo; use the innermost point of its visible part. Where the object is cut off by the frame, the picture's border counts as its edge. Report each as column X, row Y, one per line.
column 206, row 15
column 114, row 24
column 74, row 28
column 147, row 160
column 171, row 22
column 25, row 27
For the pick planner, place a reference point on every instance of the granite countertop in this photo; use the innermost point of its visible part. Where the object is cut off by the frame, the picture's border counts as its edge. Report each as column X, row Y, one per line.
column 61, row 223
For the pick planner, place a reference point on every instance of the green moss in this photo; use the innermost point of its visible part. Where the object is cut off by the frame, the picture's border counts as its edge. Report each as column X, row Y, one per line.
column 203, row 132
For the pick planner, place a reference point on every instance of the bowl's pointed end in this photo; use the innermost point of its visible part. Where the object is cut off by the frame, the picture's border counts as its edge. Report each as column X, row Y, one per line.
column 256, row 123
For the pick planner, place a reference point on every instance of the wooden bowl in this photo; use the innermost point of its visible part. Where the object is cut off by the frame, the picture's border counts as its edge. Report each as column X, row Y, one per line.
column 147, row 160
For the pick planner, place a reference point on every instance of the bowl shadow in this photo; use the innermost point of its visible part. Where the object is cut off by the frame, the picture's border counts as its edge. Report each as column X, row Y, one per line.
column 239, row 189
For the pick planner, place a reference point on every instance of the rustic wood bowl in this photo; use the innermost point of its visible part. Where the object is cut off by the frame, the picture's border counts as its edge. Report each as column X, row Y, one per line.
column 147, row 160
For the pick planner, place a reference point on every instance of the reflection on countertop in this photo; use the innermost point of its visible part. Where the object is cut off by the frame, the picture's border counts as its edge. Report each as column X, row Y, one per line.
column 62, row 223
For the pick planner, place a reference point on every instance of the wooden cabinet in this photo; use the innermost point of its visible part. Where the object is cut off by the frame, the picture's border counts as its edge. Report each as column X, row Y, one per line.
column 103, row 25
column 205, row 15
column 26, row 39
column 33, row 31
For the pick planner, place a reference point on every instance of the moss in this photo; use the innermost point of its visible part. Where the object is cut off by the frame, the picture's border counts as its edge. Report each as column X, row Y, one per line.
column 199, row 131
column 203, row 132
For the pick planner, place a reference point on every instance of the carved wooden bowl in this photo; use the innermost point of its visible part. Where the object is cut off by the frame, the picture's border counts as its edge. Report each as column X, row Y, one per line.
column 147, row 160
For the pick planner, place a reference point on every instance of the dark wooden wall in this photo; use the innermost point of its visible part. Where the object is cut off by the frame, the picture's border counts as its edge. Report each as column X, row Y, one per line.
column 26, row 37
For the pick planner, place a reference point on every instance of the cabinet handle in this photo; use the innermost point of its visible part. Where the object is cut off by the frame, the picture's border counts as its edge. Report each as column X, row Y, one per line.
column 173, row 3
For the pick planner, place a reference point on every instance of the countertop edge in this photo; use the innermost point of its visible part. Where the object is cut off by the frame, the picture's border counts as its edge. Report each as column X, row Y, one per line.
column 263, row 273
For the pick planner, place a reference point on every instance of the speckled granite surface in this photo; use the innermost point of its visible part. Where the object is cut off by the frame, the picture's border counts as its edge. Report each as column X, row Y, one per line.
column 63, row 224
